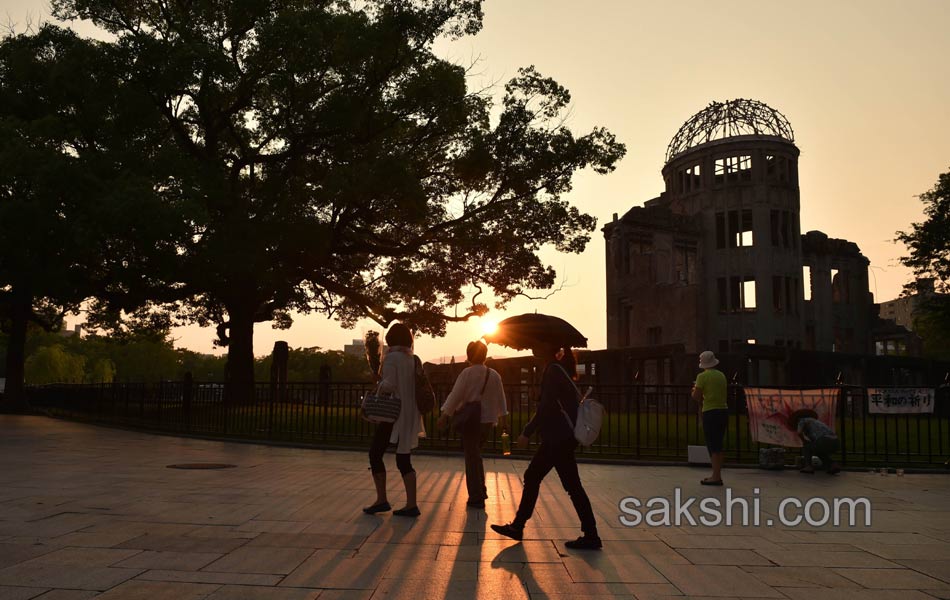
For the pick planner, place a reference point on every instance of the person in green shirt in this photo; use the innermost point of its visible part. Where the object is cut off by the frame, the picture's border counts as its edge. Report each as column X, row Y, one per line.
column 710, row 392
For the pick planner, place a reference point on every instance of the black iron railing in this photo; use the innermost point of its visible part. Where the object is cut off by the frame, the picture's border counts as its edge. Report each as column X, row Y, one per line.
column 644, row 422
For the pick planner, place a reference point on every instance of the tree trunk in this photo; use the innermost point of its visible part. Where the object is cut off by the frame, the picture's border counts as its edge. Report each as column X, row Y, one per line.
column 14, row 396
column 239, row 372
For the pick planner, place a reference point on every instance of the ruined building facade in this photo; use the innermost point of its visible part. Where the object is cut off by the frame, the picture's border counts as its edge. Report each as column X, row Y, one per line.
column 718, row 260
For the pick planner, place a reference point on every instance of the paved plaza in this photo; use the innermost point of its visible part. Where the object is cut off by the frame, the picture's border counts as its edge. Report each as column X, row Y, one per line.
column 93, row 512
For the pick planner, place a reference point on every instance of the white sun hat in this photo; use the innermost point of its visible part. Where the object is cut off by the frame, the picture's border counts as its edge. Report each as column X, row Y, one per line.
column 708, row 360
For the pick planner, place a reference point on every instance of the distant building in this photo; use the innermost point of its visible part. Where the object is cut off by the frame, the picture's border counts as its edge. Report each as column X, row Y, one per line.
column 357, row 348
column 902, row 310
column 894, row 335
column 75, row 331
column 718, row 261
column 891, row 339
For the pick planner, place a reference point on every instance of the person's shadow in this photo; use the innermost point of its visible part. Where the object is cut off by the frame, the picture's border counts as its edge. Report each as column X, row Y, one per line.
column 514, row 560
column 460, row 583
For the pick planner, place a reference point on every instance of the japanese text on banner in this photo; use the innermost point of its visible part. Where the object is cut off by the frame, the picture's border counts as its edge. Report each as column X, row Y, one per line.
column 900, row 400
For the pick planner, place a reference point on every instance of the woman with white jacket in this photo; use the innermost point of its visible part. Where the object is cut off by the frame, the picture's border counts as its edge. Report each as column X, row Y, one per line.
column 397, row 377
column 481, row 385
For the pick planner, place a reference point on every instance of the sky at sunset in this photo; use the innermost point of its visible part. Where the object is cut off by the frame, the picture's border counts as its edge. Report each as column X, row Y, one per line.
column 864, row 84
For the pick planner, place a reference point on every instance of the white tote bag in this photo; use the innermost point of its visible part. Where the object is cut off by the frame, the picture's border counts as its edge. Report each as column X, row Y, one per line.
column 590, row 415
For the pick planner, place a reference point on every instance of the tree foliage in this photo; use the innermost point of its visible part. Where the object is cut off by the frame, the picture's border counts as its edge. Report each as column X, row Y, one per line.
column 53, row 364
column 151, row 357
column 928, row 242
column 78, row 216
column 932, row 324
column 328, row 160
column 305, row 364
column 928, row 245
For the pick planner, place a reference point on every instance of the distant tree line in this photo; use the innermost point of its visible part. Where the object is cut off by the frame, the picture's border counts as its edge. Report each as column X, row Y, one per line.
column 53, row 358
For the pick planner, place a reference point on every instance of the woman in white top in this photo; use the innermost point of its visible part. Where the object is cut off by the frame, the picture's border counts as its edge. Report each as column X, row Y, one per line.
column 477, row 383
column 398, row 377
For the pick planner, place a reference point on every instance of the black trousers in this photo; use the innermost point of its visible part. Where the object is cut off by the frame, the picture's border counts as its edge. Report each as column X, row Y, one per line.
column 823, row 448
column 378, row 447
column 473, row 436
column 560, row 457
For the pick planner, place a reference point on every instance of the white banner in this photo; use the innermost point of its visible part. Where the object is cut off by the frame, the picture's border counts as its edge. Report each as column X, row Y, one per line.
column 890, row 401
column 771, row 412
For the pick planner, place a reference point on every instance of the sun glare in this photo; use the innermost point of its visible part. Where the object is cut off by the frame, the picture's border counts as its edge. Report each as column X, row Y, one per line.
column 489, row 327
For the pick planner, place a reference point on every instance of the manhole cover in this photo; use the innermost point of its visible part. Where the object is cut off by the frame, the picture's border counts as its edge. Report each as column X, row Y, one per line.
column 201, row 466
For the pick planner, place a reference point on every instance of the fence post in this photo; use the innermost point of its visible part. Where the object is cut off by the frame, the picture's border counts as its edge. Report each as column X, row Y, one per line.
column 735, row 404
column 843, row 399
column 159, row 399
column 187, row 389
column 636, row 400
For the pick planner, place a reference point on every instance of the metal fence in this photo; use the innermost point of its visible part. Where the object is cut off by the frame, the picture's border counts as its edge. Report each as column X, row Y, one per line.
column 648, row 423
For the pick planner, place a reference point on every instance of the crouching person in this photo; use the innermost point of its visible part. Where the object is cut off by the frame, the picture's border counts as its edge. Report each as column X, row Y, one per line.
column 817, row 440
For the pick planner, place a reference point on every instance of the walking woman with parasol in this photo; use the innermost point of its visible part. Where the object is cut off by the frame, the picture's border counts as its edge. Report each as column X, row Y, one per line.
column 547, row 337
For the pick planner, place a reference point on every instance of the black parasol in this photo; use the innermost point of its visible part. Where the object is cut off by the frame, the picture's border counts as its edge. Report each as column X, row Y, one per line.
column 525, row 331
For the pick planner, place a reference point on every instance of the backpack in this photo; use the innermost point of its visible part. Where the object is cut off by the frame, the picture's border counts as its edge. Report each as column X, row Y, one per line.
column 590, row 416
column 425, row 396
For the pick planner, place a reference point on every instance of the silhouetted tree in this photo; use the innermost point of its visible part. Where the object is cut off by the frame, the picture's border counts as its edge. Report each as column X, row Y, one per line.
column 928, row 244
column 42, row 185
column 76, row 210
column 336, row 164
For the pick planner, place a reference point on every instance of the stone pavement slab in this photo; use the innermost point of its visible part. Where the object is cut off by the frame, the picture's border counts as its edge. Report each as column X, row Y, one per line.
column 19, row 593
column 90, row 512
column 66, row 595
column 86, row 557
column 159, row 590
column 253, row 579
column 854, row 594
column 892, row 579
column 256, row 592
column 167, row 543
column 11, row 554
column 275, row 561
column 705, row 580
column 938, row 569
column 723, row 556
column 172, row 561
column 65, row 576
column 796, row 577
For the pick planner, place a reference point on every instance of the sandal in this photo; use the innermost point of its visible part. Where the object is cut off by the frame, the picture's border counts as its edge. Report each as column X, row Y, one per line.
column 710, row 482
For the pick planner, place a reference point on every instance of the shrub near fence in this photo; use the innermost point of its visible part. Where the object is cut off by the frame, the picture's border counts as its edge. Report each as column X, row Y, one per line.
column 650, row 423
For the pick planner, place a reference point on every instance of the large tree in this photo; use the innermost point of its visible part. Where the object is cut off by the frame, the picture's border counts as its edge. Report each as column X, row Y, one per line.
column 336, row 163
column 42, row 274
column 928, row 245
column 77, row 211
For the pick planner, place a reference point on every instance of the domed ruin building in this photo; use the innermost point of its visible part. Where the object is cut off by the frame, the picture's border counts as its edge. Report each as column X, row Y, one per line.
column 718, row 260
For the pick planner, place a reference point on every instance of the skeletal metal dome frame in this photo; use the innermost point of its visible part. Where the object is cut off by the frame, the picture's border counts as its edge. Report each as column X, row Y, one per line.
column 721, row 120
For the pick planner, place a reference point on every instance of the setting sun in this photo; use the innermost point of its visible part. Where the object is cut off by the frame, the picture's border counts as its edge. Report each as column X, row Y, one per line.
column 489, row 327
